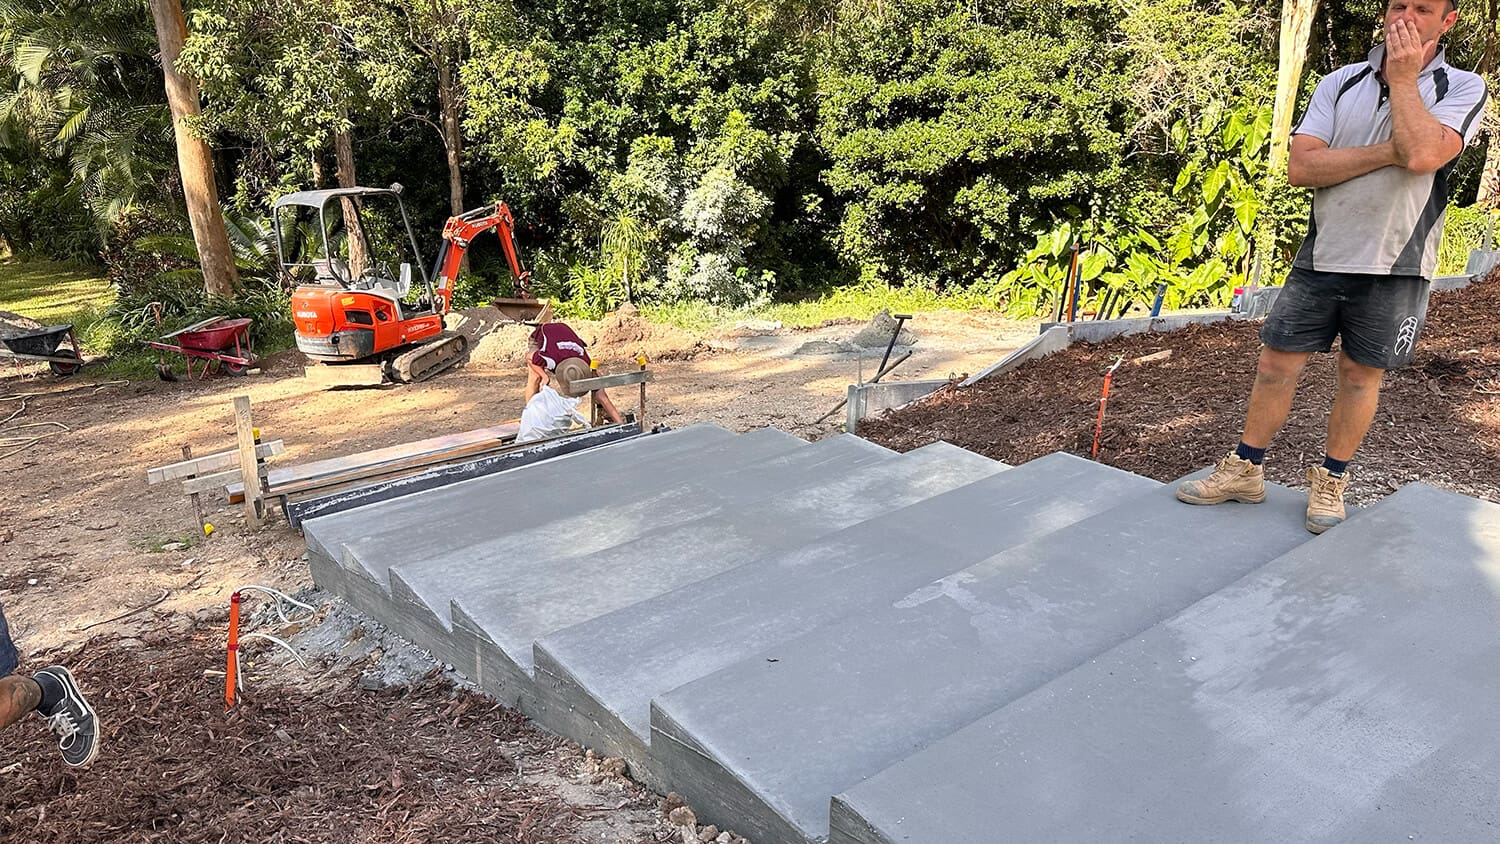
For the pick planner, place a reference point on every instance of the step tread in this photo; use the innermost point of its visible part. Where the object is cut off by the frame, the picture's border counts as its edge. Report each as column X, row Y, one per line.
column 1342, row 692
column 905, row 674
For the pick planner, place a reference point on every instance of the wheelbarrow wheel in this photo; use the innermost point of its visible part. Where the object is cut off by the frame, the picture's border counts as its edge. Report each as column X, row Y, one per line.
column 235, row 368
column 63, row 369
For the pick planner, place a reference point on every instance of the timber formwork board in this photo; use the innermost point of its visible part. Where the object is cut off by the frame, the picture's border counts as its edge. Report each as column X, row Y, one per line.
column 597, row 679
column 1343, row 692
column 765, row 743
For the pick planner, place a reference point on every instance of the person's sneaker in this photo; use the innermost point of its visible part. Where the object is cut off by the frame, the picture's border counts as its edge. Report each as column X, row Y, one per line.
column 1325, row 498
column 71, row 717
column 1233, row 480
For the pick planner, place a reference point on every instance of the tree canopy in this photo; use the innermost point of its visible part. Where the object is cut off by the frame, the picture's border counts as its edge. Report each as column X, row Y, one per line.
column 705, row 149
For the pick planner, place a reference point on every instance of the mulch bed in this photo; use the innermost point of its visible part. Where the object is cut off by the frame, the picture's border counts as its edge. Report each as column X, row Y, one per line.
column 1439, row 419
column 409, row 764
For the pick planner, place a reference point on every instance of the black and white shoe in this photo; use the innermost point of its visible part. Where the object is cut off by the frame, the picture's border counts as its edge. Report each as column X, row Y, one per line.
column 71, row 717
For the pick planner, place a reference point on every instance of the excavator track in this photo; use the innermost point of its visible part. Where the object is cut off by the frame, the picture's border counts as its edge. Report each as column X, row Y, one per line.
column 428, row 359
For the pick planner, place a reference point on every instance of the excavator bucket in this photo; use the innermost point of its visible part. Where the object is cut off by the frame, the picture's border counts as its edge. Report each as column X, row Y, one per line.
column 523, row 310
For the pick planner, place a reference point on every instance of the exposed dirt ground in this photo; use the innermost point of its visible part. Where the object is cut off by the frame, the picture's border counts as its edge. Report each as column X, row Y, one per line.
column 84, row 541
column 1439, row 420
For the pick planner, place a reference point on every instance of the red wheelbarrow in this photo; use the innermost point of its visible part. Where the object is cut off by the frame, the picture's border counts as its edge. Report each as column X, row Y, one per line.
column 44, row 344
column 218, row 342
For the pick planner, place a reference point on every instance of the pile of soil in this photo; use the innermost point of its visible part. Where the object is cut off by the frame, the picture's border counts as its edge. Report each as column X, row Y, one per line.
column 616, row 339
column 10, row 322
column 419, row 762
column 1439, row 420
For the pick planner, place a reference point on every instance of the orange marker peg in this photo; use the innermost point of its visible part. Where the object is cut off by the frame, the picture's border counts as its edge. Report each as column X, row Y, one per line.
column 231, row 671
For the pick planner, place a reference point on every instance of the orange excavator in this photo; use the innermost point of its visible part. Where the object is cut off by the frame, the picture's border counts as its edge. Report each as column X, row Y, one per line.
column 356, row 312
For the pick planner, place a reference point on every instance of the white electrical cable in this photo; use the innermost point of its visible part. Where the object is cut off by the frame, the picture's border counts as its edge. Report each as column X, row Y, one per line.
column 282, row 599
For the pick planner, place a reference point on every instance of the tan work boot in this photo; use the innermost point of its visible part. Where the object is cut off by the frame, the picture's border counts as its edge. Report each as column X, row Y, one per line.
column 1233, row 480
column 1325, row 499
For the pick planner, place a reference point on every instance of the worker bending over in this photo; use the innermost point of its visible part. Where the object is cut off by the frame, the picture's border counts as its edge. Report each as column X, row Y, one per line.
column 557, row 354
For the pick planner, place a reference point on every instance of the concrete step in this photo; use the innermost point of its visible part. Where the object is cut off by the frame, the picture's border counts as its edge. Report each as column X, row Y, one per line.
column 398, row 523
column 414, row 594
column 510, row 612
column 764, row 744
column 529, row 558
column 1343, row 692
column 598, row 678
column 449, row 520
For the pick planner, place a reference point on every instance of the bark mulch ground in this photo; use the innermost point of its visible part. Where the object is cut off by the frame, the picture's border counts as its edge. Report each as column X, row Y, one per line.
column 425, row 762
column 1439, row 418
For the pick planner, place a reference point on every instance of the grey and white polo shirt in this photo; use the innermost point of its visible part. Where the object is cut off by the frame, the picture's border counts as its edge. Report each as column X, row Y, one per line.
column 1388, row 221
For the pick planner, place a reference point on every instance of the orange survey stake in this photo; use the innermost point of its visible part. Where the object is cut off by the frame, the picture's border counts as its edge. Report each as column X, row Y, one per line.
column 231, row 670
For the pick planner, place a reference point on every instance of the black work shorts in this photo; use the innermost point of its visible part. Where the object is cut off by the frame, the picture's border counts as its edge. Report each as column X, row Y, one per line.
column 1378, row 317
column 7, row 648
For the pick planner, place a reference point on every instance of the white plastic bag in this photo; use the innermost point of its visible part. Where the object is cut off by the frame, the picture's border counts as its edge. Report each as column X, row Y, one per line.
column 548, row 414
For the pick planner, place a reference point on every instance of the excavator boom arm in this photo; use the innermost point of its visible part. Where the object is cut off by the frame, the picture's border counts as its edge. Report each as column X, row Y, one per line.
column 459, row 231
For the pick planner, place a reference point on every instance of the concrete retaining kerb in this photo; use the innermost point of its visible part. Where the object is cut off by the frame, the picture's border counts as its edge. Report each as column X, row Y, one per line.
column 865, row 399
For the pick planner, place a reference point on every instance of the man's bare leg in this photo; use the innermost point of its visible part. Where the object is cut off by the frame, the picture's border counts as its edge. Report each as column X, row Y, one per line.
column 1271, row 397
column 1239, row 477
column 1354, row 407
column 19, row 696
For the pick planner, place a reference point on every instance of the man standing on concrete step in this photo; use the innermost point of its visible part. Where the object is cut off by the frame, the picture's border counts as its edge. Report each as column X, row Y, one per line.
column 1377, row 144
column 52, row 694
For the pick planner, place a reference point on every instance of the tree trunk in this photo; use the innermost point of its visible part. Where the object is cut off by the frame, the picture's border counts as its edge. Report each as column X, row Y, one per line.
column 452, row 135
column 1296, row 25
column 359, row 253
column 448, row 105
column 194, row 158
column 317, row 170
column 1489, row 177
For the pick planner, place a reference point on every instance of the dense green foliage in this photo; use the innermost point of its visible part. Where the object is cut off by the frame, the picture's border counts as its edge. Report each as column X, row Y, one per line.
column 727, row 154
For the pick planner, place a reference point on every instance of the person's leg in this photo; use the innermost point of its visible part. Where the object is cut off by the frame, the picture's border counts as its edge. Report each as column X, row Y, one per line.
column 19, row 697
column 1271, row 397
column 1303, row 320
column 603, row 399
column 1354, row 406
column 53, row 694
column 1383, row 318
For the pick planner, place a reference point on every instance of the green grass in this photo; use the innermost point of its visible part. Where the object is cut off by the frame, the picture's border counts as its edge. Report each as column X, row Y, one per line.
column 860, row 301
column 54, row 293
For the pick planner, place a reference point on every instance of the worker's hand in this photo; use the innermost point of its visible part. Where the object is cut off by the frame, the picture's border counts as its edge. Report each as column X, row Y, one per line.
column 1404, row 52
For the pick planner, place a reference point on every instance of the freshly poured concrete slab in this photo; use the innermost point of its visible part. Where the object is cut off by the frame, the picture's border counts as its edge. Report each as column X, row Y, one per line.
column 575, row 492
column 1343, row 692
column 401, row 521
column 795, row 506
column 764, row 744
column 421, row 589
column 597, row 679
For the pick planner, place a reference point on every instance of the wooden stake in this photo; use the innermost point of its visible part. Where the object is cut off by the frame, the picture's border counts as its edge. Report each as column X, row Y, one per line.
column 187, row 454
column 640, row 415
column 249, row 465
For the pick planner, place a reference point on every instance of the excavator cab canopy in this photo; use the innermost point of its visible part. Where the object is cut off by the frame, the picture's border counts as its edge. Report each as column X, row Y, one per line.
column 355, row 238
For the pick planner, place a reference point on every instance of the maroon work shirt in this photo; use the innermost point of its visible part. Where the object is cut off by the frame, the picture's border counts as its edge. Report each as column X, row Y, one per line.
column 555, row 343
